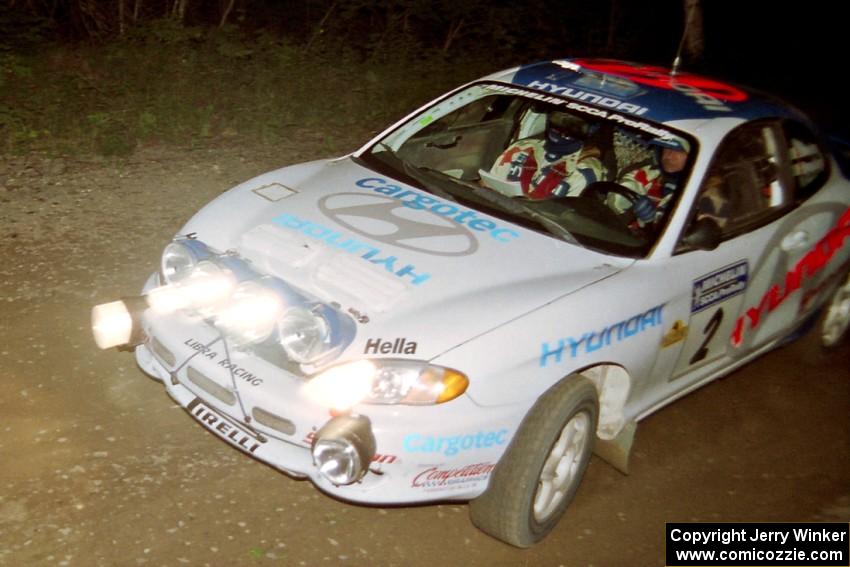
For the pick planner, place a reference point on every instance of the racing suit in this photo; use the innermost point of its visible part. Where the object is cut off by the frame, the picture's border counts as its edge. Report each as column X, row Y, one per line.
column 542, row 174
column 656, row 188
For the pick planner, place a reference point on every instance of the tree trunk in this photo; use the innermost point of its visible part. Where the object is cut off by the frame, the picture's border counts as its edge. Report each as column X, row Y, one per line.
column 227, row 9
column 454, row 30
column 319, row 27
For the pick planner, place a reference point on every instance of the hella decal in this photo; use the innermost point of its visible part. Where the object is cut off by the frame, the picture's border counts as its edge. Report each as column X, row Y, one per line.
column 719, row 286
column 449, row 446
column 398, row 346
column 457, row 216
column 806, row 268
column 337, row 240
column 593, row 341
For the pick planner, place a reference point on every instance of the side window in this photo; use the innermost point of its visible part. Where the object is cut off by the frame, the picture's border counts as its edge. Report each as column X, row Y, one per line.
column 742, row 188
column 806, row 161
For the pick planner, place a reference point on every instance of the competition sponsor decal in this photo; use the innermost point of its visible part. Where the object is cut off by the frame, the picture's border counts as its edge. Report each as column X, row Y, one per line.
column 340, row 241
column 441, row 478
column 224, row 427
column 397, row 346
column 596, row 340
column 450, row 446
column 719, row 286
column 804, row 270
column 451, row 219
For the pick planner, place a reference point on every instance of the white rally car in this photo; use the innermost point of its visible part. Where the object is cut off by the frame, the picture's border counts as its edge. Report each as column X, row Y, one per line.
column 446, row 315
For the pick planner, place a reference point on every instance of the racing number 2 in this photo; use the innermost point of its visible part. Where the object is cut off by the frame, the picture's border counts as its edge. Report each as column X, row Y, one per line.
column 709, row 330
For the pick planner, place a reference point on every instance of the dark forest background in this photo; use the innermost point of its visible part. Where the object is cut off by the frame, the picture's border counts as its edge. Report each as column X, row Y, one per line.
column 107, row 76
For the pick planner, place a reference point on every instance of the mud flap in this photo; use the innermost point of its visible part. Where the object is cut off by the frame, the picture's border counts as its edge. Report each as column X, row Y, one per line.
column 616, row 451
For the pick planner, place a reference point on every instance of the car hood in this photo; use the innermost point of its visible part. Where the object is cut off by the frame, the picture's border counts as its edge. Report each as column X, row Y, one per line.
column 420, row 273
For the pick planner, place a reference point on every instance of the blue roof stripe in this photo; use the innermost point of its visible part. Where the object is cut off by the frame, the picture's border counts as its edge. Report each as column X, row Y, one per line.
column 647, row 91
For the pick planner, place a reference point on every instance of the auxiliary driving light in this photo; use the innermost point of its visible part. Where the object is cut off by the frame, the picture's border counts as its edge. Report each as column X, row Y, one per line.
column 343, row 448
column 117, row 323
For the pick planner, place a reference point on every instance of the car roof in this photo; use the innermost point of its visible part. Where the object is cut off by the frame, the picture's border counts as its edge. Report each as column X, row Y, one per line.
column 648, row 91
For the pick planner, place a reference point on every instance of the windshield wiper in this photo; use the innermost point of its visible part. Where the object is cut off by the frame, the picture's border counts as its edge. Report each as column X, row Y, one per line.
column 424, row 175
column 516, row 206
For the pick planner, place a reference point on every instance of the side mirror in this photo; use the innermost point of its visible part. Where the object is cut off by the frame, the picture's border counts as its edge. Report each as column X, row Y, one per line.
column 704, row 234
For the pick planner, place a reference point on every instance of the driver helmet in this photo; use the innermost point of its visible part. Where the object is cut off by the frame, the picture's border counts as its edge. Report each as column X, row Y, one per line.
column 672, row 143
column 564, row 133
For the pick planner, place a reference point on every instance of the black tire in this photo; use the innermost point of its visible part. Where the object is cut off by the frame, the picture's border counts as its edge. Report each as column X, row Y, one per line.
column 506, row 510
column 835, row 317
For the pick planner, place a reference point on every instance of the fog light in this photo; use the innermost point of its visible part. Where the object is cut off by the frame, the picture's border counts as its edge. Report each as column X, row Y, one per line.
column 116, row 324
column 343, row 448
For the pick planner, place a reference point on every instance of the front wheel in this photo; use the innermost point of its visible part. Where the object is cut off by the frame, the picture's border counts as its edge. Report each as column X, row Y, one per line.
column 836, row 317
column 540, row 472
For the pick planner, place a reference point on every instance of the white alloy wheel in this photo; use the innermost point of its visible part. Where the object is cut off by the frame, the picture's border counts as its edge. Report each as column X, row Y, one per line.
column 836, row 318
column 540, row 472
column 563, row 466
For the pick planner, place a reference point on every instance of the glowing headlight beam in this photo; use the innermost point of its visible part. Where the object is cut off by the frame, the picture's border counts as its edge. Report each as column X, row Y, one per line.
column 251, row 313
column 341, row 387
column 116, row 323
column 207, row 286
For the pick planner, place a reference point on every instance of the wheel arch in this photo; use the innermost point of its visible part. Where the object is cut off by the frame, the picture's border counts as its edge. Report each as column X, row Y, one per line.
column 613, row 384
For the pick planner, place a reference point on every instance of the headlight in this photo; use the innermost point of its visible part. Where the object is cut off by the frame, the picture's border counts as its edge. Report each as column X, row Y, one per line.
column 386, row 381
column 178, row 259
column 205, row 287
column 250, row 314
column 303, row 334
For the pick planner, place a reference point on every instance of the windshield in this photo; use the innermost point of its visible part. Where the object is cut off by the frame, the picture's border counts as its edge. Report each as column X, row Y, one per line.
column 570, row 170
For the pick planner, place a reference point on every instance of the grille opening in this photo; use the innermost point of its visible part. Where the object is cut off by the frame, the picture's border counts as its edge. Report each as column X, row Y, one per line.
column 163, row 354
column 274, row 421
column 210, row 387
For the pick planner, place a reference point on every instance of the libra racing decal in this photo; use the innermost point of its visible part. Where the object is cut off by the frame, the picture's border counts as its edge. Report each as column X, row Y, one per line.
column 807, row 267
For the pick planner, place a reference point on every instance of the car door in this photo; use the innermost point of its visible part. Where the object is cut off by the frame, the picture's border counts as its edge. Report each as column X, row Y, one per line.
column 735, row 299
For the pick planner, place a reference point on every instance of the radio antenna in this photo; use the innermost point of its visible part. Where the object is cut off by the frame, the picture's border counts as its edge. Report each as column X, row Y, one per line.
column 691, row 34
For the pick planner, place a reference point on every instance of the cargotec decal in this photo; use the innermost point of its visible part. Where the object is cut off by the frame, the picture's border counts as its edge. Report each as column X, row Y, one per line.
column 453, row 213
column 593, row 340
column 383, row 219
column 450, row 446
column 807, row 267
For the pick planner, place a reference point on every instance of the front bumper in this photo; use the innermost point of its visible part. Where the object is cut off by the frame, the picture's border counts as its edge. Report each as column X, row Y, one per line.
column 424, row 453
